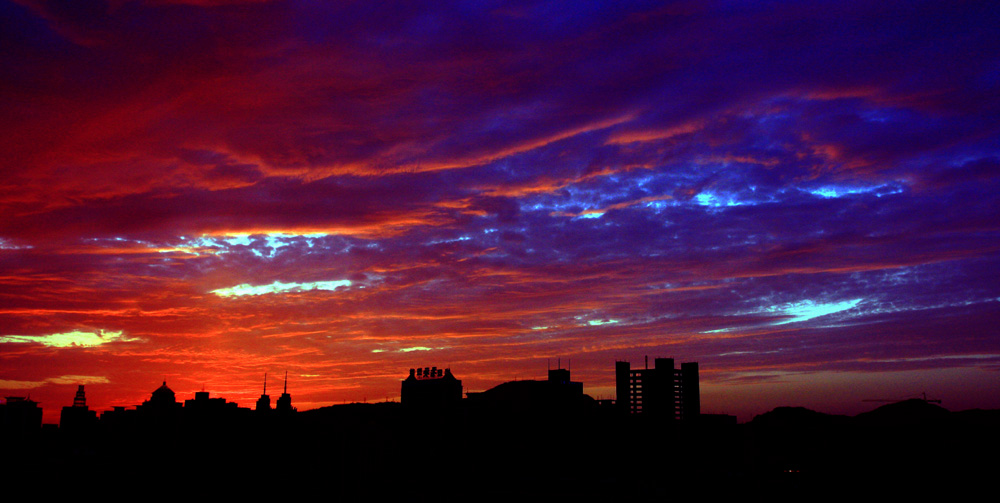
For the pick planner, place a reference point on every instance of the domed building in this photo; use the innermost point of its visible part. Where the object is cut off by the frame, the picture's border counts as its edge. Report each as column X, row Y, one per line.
column 161, row 405
column 163, row 395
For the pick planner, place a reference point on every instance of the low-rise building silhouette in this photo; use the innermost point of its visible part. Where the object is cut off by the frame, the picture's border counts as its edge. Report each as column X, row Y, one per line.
column 117, row 418
column 430, row 386
column 661, row 390
column 203, row 403
column 206, row 412
column 20, row 415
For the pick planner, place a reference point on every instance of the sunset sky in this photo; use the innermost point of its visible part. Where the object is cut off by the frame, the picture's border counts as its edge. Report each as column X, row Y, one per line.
column 803, row 197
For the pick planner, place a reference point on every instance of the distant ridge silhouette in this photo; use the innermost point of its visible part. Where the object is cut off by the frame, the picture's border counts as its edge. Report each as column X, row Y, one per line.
column 912, row 411
column 797, row 416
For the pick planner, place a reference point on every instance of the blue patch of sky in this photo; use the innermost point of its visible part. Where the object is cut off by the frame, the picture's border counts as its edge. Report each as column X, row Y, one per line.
column 837, row 191
column 718, row 331
column 797, row 312
column 596, row 323
column 659, row 205
column 809, row 309
column 453, row 240
column 721, row 199
column 876, row 115
column 590, row 320
column 892, row 307
column 273, row 242
column 754, row 195
column 590, row 199
column 717, row 199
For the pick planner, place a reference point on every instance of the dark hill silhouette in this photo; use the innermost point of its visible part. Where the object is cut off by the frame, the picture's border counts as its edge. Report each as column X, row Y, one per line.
column 533, row 395
column 784, row 417
column 350, row 412
column 896, row 444
column 907, row 412
column 979, row 417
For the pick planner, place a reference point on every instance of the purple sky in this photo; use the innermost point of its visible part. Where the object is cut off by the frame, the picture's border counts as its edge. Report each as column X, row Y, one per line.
column 801, row 196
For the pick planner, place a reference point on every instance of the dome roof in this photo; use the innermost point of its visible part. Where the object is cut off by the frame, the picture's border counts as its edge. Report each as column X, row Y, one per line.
column 163, row 394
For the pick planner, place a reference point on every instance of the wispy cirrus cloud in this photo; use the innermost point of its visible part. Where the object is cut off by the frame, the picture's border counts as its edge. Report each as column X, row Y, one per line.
column 73, row 339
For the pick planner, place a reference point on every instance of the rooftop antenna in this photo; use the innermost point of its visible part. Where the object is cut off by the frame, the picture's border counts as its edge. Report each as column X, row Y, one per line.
column 265, row 383
column 286, row 382
column 559, row 361
column 647, row 361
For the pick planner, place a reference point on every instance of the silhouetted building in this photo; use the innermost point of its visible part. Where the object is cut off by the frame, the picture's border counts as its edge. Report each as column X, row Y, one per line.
column 264, row 402
column 77, row 417
column 661, row 390
column 284, row 405
column 162, row 397
column 431, row 386
column 560, row 379
column 161, row 407
column 20, row 415
column 117, row 418
column 204, row 411
column 202, row 402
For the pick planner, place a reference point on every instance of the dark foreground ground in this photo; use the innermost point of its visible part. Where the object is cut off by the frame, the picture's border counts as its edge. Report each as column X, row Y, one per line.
column 388, row 451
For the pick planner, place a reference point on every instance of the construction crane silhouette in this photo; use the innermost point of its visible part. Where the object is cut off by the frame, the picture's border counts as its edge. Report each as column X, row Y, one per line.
column 923, row 396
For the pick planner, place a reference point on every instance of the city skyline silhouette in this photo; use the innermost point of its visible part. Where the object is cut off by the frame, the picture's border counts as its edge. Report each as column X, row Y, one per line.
column 439, row 445
column 661, row 391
